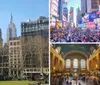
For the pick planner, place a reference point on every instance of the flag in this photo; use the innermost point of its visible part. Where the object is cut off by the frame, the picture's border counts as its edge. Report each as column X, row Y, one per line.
column 71, row 12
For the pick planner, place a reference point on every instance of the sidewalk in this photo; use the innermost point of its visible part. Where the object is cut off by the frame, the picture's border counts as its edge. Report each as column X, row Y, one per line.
column 74, row 83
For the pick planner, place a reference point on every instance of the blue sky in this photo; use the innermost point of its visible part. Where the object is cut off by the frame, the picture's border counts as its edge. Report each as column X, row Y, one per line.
column 21, row 10
column 75, row 4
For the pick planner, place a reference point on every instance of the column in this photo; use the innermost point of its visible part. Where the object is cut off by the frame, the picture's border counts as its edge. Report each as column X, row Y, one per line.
column 58, row 65
column 98, row 60
column 17, row 73
column 87, row 65
column 9, row 72
column 79, row 65
column 71, row 65
column 92, row 65
column 52, row 62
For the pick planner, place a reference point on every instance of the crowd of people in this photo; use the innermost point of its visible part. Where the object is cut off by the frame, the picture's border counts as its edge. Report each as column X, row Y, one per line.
column 88, row 79
column 75, row 35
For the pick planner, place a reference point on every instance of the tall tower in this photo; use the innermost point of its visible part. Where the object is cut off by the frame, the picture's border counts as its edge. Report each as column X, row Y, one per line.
column 11, row 30
column 1, row 40
column 84, row 6
column 78, row 16
column 60, row 7
column 0, row 34
column 71, row 14
column 65, row 12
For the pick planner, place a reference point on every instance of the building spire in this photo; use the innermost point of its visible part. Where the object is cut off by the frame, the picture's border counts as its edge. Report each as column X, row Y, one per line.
column 11, row 19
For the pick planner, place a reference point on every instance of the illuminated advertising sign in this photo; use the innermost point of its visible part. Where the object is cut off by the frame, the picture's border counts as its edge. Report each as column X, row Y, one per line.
column 53, row 12
column 64, row 18
column 53, row 22
column 92, row 17
column 90, row 25
column 54, row 8
column 98, row 20
column 82, row 25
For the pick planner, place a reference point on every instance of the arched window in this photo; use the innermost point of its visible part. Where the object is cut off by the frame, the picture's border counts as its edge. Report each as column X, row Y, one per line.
column 83, row 63
column 75, row 63
column 68, row 63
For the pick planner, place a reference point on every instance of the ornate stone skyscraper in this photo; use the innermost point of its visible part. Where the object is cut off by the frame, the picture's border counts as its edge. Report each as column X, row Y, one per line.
column 11, row 30
column 1, row 40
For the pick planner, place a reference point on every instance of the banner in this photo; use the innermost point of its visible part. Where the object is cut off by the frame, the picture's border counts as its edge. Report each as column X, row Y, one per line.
column 90, row 25
column 54, row 7
column 80, row 21
column 92, row 17
column 82, row 25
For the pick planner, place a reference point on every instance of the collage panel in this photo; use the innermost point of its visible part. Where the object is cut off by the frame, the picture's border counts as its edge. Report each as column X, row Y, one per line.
column 24, row 42
column 75, row 64
column 74, row 20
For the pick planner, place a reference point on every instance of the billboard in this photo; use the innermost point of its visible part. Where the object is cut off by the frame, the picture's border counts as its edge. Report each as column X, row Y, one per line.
column 53, row 12
column 82, row 25
column 53, row 22
column 90, row 25
column 92, row 17
column 54, row 7
column 64, row 18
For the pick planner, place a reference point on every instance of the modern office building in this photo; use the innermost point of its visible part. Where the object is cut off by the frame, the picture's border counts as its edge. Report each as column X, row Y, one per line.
column 84, row 6
column 60, row 8
column 71, row 19
column 65, row 12
column 79, row 15
column 92, row 5
column 11, row 30
column 33, row 28
column 15, row 58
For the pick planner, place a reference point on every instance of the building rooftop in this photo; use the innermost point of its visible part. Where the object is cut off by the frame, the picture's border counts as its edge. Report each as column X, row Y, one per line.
column 42, row 19
column 15, row 38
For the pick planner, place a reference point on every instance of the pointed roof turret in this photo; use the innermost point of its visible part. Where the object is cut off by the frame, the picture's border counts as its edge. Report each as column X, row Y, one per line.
column 11, row 19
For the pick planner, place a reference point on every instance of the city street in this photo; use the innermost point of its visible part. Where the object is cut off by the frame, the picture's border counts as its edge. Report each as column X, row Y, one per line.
column 68, row 26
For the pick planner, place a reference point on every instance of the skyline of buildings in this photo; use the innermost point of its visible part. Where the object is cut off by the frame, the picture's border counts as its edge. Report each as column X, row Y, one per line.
column 19, row 60
column 21, row 11
column 12, row 30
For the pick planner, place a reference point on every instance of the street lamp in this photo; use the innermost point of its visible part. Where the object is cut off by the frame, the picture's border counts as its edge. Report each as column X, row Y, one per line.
column 96, row 66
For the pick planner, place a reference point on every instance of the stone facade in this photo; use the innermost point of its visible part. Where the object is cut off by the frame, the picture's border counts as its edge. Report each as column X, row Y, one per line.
column 11, row 30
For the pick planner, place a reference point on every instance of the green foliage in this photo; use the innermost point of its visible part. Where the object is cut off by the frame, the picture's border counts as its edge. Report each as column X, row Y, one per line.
column 17, row 82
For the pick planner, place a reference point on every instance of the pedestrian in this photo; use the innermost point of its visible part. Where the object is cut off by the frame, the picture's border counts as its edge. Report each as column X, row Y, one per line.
column 67, row 82
column 79, row 83
column 70, row 83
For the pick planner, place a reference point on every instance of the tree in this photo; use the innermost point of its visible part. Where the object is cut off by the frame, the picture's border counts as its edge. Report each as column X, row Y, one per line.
column 34, row 51
column 4, row 59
